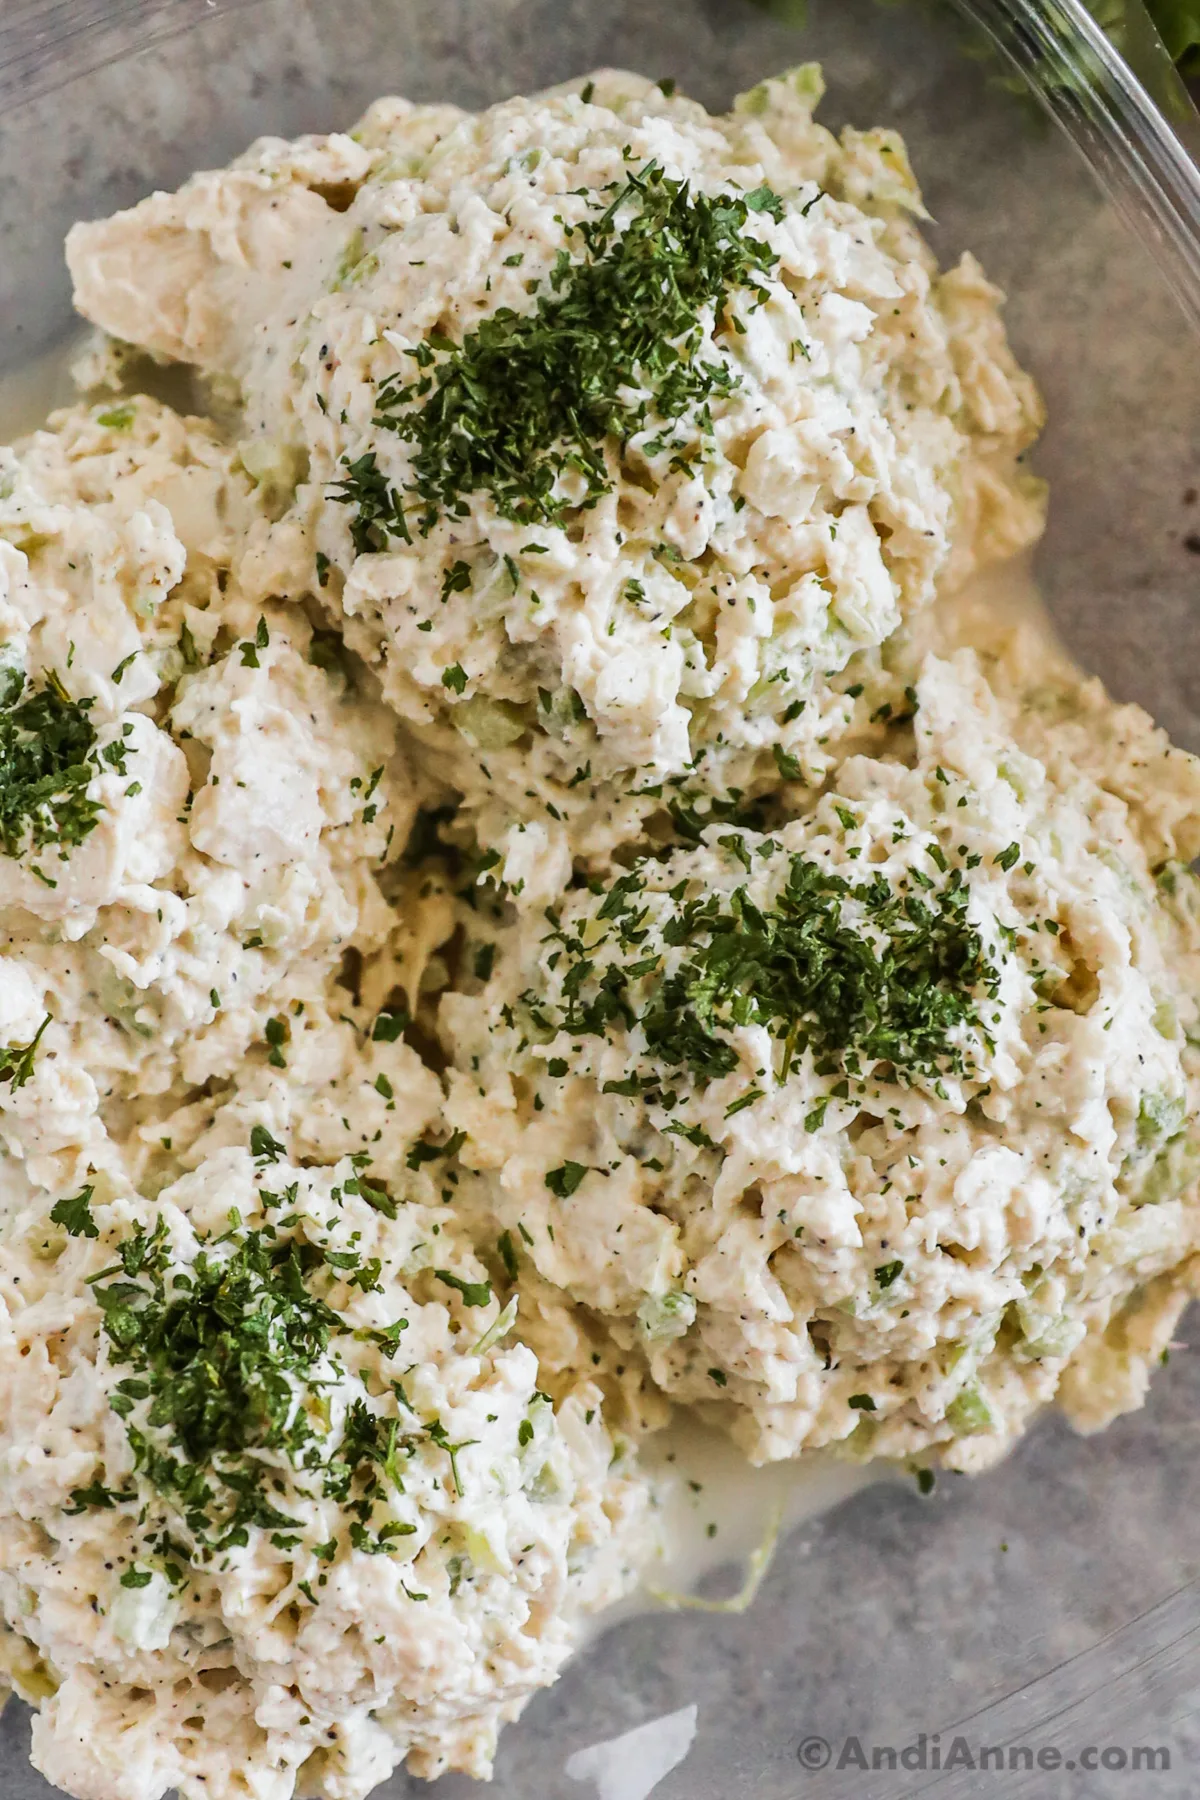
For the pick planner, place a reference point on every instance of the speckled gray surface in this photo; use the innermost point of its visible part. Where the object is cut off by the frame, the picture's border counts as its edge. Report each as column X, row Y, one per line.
column 893, row 1615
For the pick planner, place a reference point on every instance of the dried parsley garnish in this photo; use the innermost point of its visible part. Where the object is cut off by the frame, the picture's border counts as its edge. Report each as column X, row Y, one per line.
column 48, row 755
column 853, row 971
column 614, row 343
column 17, row 1060
column 229, row 1360
column 75, row 1214
column 226, row 1349
column 378, row 509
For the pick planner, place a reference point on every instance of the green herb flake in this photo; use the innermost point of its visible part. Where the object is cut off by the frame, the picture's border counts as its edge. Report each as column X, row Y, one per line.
column 765, row 200
column 528, row 397
column 48, row 756
column 75, row 1214
column 379, row 511
column 787, row 764
column 219, row 1350
column 456, row 580
column 896, row 988
column 391, row 1024
column 95, row 1495
column 508, row 1255
column 474, row 1293
column 564, row 1180
column 17, row 1060
column 263, row 1146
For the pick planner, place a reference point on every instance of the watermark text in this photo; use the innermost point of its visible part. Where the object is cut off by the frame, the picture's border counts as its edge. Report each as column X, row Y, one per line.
column 938, row 1751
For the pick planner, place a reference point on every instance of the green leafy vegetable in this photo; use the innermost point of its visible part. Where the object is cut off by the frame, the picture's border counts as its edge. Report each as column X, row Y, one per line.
column 424, row 1152
column 508, row 1255
column 95, row 1494
column 1176, row 21
column 118, row 418
column 1178, row 24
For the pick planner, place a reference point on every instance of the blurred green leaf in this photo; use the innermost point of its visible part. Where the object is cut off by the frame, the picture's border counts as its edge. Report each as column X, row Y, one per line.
column 1178, row 24
column 1176, row 21
column 789, row 12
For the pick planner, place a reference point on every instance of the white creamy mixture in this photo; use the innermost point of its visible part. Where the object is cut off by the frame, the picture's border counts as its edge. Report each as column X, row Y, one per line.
column 679, row 608
column 532, row 896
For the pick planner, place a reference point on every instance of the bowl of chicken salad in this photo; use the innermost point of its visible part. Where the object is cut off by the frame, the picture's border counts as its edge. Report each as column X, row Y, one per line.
column 600, row 984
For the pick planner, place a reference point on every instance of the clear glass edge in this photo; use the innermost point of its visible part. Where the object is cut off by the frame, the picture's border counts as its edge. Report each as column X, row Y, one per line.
column 1142, row 165
column 1146, row 174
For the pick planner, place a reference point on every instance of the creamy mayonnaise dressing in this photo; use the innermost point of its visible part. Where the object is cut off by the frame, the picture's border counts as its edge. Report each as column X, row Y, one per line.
column 564, row 920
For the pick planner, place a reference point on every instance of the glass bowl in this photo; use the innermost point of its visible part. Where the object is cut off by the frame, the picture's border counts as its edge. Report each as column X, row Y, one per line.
column 1049, row 1609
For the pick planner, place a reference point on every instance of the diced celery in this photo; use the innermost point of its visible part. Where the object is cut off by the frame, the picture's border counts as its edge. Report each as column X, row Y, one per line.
column 666, row 1316
column 969, row 1413
column 490, row 724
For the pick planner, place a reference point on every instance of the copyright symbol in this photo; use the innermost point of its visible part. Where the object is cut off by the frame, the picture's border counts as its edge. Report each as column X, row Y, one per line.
column 814, row 1753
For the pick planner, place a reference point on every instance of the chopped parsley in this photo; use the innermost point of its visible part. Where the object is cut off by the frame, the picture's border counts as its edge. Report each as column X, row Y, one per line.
column 457, row 579
column 226, row 1365
column 378, row 509
column 850, row 971
column 787, row 764
column 390, row 1025
column 565, row 1180
column 250, row 649
column 75, row 1214
column 48, row 756
column 614, row 342
column 474, row 1293
column 263, row 1146
column 423, row 1151
column 17, row 1060
column 508, row 1255
column 690, row 821
column 95, row 1494
column 218, row 1348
